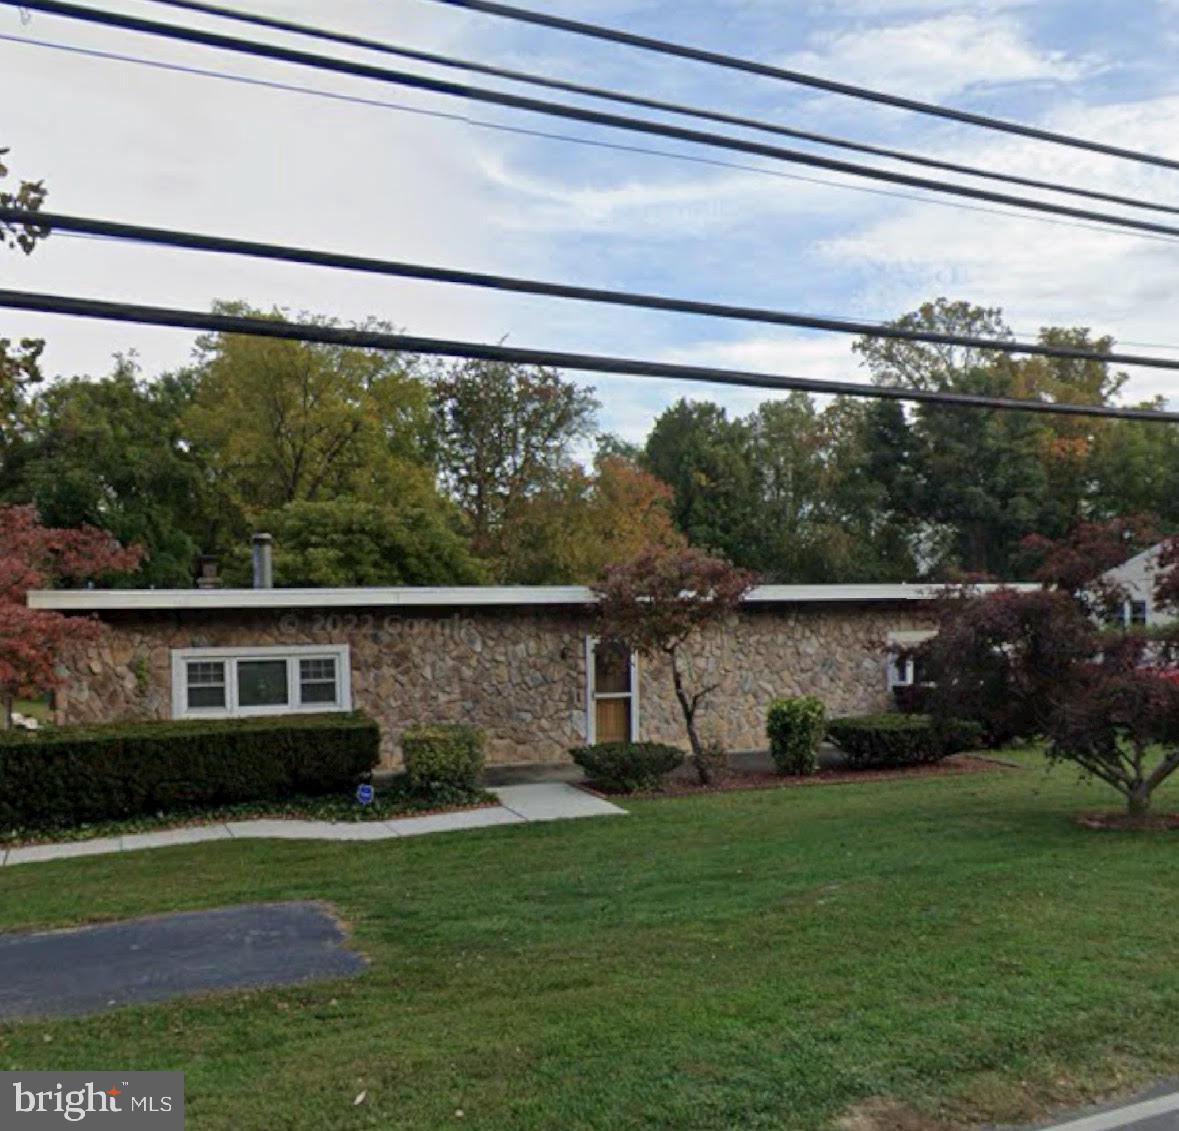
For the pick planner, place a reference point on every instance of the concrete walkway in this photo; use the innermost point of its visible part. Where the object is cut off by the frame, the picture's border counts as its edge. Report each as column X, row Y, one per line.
column 1155, row 1110
column 518, row 804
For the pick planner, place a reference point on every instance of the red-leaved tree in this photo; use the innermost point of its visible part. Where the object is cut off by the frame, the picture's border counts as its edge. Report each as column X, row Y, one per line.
column 1048, row 663
column 33, row 556
column 657, row 602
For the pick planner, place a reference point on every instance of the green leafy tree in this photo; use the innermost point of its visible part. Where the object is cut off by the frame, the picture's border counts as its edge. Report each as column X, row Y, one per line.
column 281, row 422
column 704, row 457
column 347, row 542
column 505, row 434
column 111, row 454
column 977, row 480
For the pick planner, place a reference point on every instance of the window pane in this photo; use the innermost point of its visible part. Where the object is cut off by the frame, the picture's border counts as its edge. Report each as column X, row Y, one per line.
column 1137, row 612
column 206, row 696
column 317, row 669
column 611, row 669
column 317, row 680
column 205, row 671
column 261, row 683
column 206, row 683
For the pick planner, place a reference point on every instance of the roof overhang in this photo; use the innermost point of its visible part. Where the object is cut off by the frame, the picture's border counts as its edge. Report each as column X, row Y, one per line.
column 460, row 597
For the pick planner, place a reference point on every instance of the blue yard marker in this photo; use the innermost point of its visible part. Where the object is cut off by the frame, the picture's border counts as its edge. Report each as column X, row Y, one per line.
column 364, row 794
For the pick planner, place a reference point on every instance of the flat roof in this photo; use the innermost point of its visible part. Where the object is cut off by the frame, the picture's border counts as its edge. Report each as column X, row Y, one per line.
column 457, row 597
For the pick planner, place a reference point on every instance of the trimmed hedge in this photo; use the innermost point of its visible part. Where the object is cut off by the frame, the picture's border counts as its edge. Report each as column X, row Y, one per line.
column 623, row 767
column 795, row 727
column 872, row 741
column 66, row 776
column 443, row 755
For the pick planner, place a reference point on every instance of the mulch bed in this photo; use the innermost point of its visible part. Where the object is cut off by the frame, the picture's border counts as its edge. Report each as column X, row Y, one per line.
column 1121, row 822
column 683, row 782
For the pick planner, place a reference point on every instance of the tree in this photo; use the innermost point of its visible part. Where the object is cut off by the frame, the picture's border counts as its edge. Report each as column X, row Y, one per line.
column 19, row 366
column 704, row 457
column 656, row 603
column 33, row 556
column 112, row 453
column 1044, row 664
column 349, row 542
column 986, row 478
column 572, row 531
column 279, row 422
column 505, row 434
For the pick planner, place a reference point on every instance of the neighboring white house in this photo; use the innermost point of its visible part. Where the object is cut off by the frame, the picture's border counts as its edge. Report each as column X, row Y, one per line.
column 1139, row 575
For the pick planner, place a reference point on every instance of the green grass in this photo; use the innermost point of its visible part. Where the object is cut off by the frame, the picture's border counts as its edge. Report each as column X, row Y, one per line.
column 740, row 961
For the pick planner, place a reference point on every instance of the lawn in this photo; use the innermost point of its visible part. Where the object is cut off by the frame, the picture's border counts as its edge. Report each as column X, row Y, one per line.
column 957, row 946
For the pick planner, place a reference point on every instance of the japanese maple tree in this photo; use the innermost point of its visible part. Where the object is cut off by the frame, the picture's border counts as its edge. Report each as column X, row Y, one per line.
column 33, row 556
column 1055, row 664
column 658, row 602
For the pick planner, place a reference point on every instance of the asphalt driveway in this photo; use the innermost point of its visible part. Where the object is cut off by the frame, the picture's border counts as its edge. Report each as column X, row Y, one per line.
column 88, row 969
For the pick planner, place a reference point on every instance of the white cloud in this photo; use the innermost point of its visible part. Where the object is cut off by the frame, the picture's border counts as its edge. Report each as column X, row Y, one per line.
column 937, row 56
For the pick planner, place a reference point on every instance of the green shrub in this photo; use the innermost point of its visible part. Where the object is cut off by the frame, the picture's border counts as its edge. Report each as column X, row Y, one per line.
column 795, row 727
column 624, row 767
column 65, row 776
column 871, row 741
column 443, row 756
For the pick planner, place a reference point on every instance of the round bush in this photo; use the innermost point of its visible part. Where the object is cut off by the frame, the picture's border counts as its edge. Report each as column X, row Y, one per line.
column 443, row 754
column 623, row 767
column 874, row 741
column 795, row 727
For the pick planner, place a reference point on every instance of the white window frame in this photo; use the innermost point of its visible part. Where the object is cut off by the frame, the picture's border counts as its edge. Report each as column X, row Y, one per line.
column 591, row 695
column 907, row 638
column 231, row 657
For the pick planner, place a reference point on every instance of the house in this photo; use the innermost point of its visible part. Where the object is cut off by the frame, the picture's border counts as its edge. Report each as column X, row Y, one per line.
column 522, row 663
column 1139, row 576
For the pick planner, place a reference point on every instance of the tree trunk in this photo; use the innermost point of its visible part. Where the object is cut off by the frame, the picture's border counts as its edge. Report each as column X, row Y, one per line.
column 703, row 771
column 1138, row 801
column 5, row 712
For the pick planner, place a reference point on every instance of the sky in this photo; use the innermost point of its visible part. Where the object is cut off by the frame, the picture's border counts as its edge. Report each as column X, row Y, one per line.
column 387, row 172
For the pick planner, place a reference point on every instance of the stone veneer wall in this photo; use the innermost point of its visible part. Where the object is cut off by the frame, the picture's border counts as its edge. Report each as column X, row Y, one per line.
column 518, row 673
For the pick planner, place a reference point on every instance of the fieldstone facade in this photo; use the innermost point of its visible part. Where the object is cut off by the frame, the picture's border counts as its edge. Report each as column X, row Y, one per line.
column 517, row 672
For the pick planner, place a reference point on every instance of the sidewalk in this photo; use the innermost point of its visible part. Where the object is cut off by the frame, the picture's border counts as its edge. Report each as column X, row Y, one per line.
column 518, row 804
column 1155, row 1110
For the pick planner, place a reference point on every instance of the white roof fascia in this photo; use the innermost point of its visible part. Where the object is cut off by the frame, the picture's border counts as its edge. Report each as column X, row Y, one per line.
column 508, row 596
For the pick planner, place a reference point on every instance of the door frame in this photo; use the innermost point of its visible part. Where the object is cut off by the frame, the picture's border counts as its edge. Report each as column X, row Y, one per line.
column 592, row 697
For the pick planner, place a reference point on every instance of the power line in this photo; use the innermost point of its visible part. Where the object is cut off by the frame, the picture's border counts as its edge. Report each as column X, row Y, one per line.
column 587, row 363
column 573, row 113
column 195, row 241
column 875, row 323
column 628, row 99
column 548, row 135
column 750, row 66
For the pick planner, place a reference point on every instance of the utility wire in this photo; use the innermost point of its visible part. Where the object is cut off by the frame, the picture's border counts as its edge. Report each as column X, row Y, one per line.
column 567, row 87
column 750, row 66
column 573, row 113
column 587, row 363
column 195, row 241
column 876, row 323
column 548, row 135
